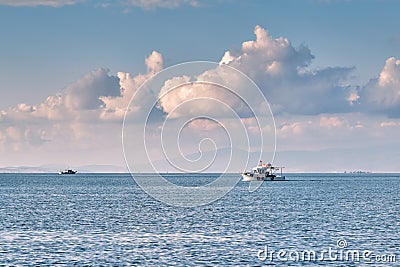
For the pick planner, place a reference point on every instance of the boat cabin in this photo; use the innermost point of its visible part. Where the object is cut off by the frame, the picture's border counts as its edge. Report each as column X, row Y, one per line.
column 260, row 170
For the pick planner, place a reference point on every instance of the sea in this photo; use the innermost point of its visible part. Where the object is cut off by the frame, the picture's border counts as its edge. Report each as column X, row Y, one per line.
column 108, row 220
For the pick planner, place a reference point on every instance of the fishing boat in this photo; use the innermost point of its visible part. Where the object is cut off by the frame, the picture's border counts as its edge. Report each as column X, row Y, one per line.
column 68, row 171
column 263, row 172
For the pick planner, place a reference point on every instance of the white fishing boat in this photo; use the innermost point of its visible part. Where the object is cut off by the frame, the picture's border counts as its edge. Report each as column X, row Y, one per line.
column 263, row 172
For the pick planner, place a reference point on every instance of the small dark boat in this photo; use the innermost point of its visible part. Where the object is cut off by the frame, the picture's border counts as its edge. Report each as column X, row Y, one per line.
column 69, row 171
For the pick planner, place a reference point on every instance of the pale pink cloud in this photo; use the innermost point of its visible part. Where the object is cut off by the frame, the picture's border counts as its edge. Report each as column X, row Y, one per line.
column 388, row 124
column 51, row 3
column 382, row 95
column 151, row 4
column 331, row 122
column 390, row 73
column 283, row 73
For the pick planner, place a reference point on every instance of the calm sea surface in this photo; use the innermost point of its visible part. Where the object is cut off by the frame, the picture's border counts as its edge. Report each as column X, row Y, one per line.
column 106, row 219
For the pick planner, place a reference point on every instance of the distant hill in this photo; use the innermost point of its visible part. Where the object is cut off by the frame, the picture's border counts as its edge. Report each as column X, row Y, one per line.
column 324, row 160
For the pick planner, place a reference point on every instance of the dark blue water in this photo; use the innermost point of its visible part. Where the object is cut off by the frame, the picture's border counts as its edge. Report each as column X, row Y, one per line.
column 107, row 219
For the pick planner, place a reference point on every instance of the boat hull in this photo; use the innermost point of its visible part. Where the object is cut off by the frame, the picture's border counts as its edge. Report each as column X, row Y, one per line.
column 261, row 177
column 68, row 172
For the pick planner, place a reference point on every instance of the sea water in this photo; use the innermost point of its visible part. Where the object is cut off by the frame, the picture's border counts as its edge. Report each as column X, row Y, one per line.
column 106, row 219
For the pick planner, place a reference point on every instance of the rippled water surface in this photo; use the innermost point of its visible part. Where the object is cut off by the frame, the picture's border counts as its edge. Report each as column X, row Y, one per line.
column 106, row 219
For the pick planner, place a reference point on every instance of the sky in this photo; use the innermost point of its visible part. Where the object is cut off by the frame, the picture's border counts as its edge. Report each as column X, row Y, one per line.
column 330, row 70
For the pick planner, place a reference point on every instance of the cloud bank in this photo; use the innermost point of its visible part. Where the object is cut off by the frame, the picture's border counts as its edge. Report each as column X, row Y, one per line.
column 314, row 108
column 82, row 117
column 33, row 3
column 151, row 4
column 144, row 4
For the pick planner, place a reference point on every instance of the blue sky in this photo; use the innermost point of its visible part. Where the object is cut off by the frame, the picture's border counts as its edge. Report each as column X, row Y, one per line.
column 65, row 42
column 47, row 47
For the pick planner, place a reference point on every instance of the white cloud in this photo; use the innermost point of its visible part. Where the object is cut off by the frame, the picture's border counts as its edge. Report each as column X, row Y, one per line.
column 219, row 91
column 282, row 73
column 390, row 74
column 273, row 57
column 13, row 133
column 76, row 119
column 96, row 96
column 144, row 4
column 80, row 100
column 287, row 130
column 389, row 124
column 81, row 118
column 32, row 3
column 382, row 95
column 85, row 93
column 154, row 62
column 353, row 98
column 195, row 99
column 151, row 4
column 350, row 131
column 37, row 137
column 115, row 106
column 331, row 122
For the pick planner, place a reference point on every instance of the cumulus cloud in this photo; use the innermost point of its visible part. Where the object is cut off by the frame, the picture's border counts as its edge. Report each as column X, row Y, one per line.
column 76, row 113
column 281, row 71
column 283, row 75
column 181, row 98
column 32, row 3
column 116, row 106
column 382, row 95
column 331, row 122
column 154, row 62
column 268, row 57
column 151, row 4
column 94, row 97
column 144, row 4
column 85, row 111
column 85, row 93
column 80, row 100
